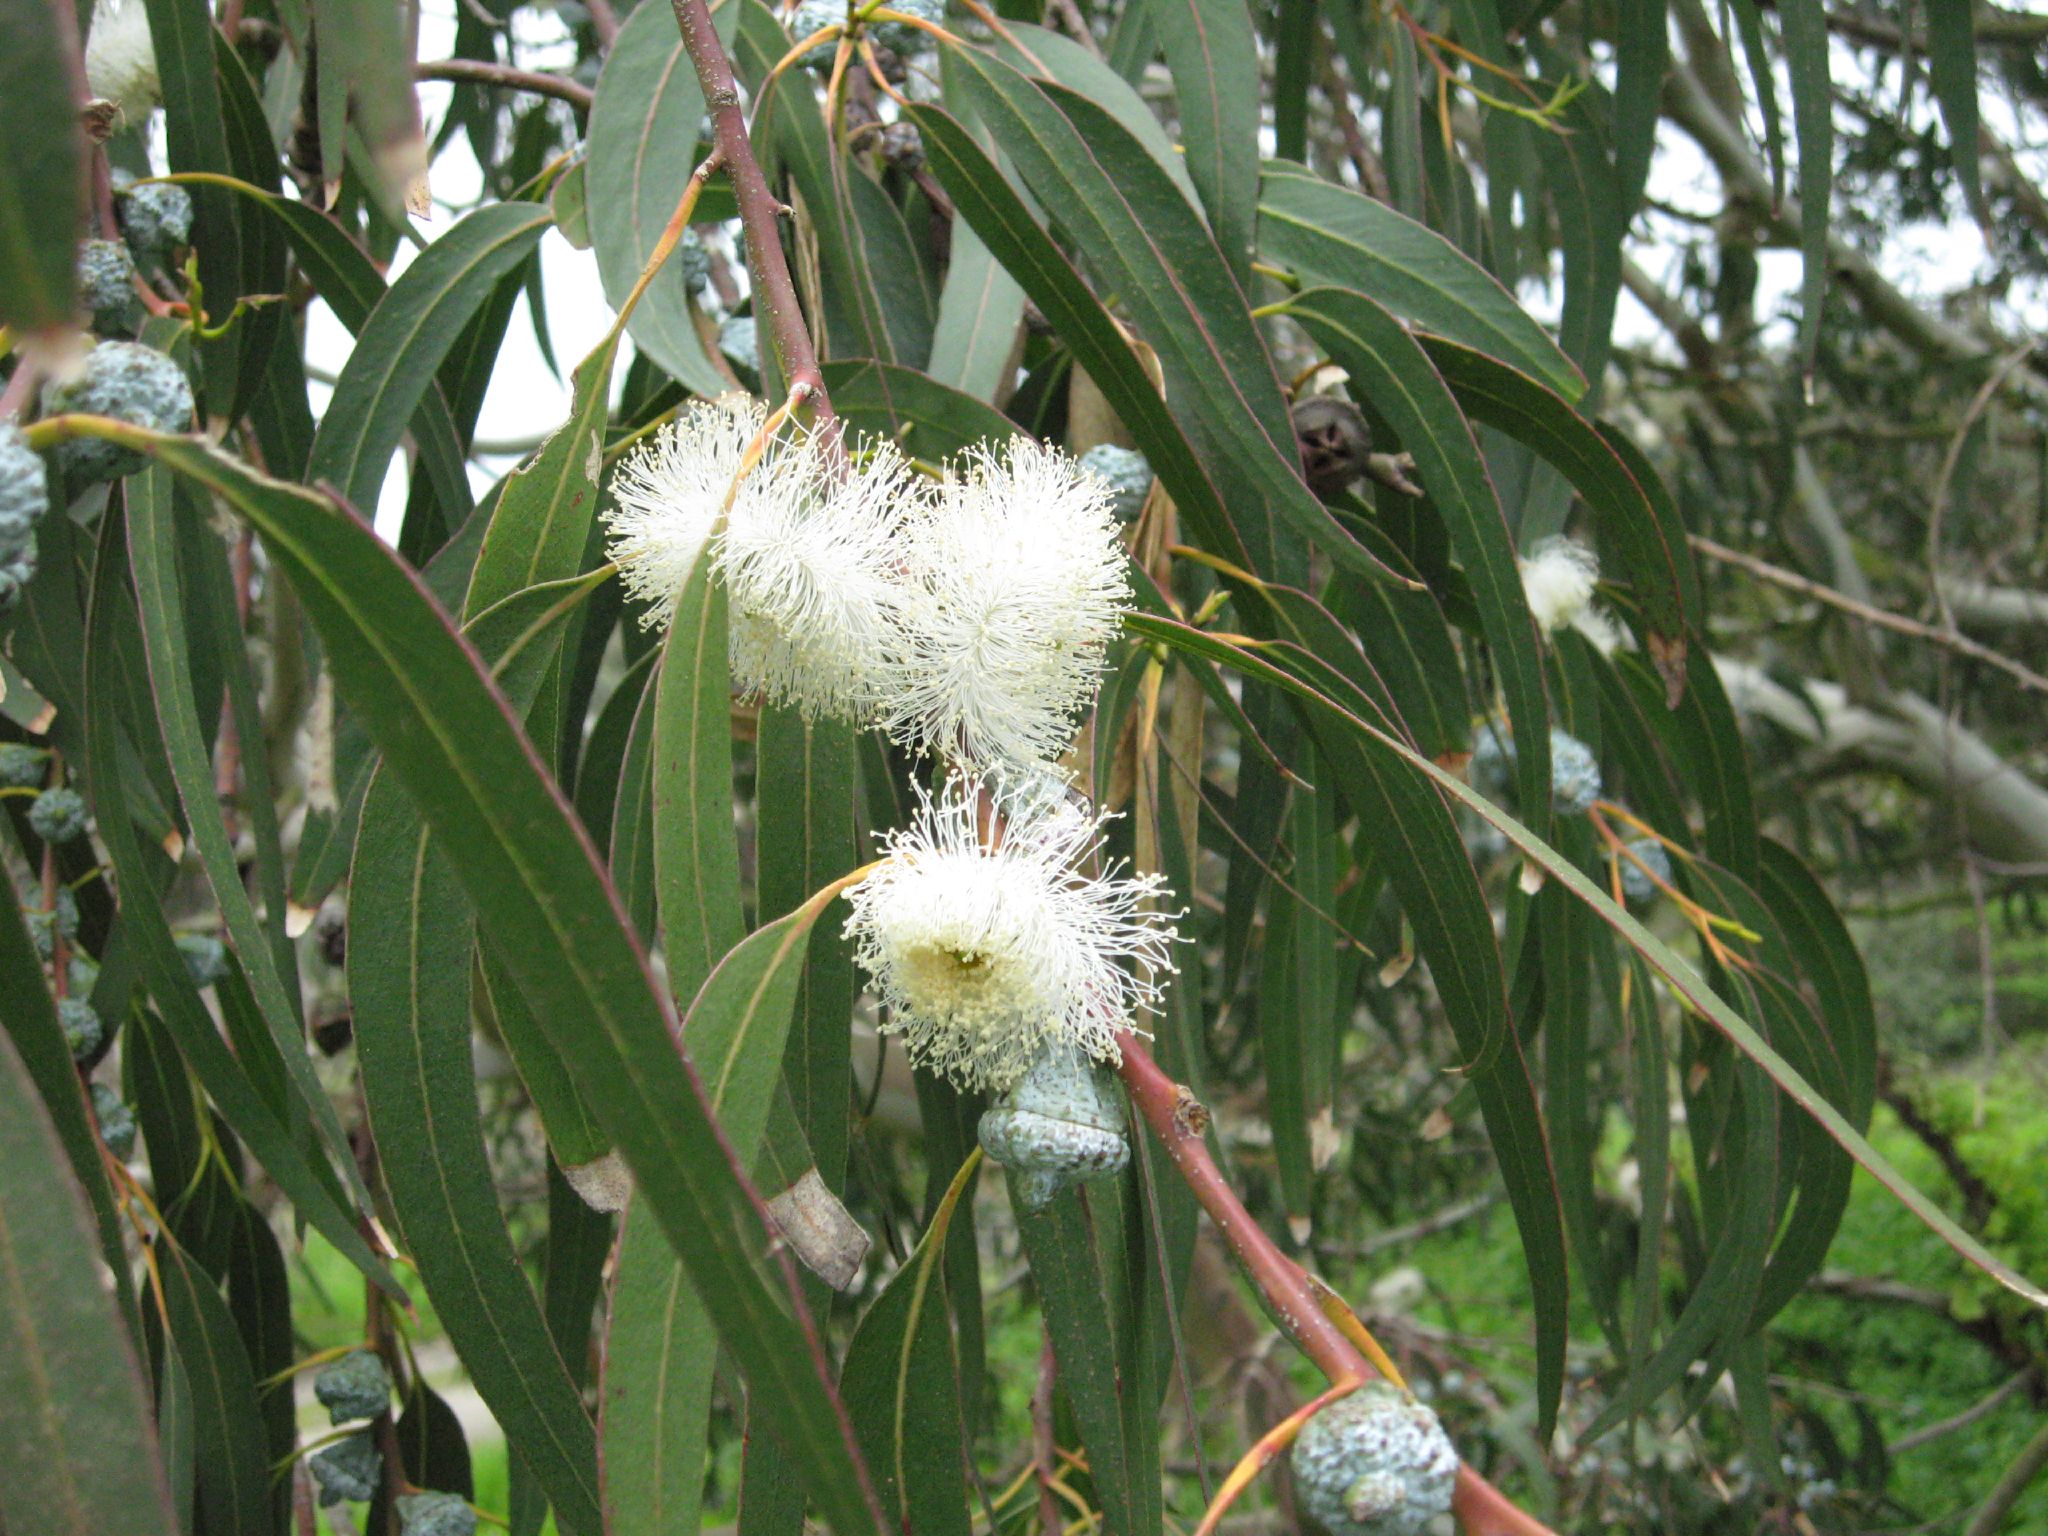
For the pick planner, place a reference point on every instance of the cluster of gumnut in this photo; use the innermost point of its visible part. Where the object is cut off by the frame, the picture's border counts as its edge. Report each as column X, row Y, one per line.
column 355, row 1389
column 57, row 818
column 1575, row 785
column 119, row 377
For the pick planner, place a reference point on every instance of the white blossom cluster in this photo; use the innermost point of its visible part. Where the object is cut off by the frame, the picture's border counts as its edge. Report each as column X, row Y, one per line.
column 968, row 618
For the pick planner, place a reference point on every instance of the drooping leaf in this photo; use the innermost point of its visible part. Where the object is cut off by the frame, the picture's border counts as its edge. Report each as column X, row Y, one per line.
column 403, row 343
column 1805, row 27
column 78, row 1450
column 1214, row 57
column 538, row 889
column 1331, row 234
column 642, row 123
column 1952, row 67
column 42, row 183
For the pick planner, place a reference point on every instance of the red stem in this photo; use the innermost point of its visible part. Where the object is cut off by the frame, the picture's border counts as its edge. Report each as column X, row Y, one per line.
column 1178, row 1120
column 760, row 212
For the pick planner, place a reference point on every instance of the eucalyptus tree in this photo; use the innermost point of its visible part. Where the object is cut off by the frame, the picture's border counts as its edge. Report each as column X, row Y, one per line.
column 1074, row 611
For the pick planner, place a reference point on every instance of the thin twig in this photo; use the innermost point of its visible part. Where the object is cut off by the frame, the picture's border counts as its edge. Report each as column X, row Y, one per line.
column 2024, row 1469
column 1792, row 581
column 482, row 72
column 760, row 212
column 1987, row 1404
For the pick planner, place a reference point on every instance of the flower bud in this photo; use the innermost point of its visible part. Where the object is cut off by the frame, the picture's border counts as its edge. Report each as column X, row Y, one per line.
column 435, row 1514
column 157, row 218
column 1574, row 775
column 83, row 1031
column 131, row 383
column 1376, row 1463
column 1127, row 473
column 741, row 343
column 1061, row 1124
column 21, row 765
column 693, row 261
column 57, row 815
column 1637, row 885
column 354, row 1387
column 106, row 286
column 206, row 958
column 117, row 1121
column 347, row 1469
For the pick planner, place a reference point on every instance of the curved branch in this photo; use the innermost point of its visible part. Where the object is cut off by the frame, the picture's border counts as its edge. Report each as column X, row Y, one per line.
column 483, row 72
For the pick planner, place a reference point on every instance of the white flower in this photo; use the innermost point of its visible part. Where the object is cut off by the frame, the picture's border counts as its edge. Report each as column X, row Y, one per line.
column 984, row 955
column 120, row 61
column 1016, row 587
column 805, row 551
column 1558, row 577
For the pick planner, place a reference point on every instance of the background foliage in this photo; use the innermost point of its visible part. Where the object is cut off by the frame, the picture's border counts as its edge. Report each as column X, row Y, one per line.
column 382, row 830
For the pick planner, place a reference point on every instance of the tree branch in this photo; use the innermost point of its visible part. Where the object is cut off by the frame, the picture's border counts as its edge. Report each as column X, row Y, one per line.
column 1898, row 623
column 760, row 212
column 1178, row 1120
column 483, row 72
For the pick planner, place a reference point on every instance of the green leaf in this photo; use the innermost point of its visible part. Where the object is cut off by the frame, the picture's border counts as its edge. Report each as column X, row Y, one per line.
column 1952, row 67
column 410, row 939
column 1642, row 52
column 1682, row 978
column 30, row 1021
column 78, row 1451
column 42, row 182
column 541, row 522
column 312, row 1187
column 368, row 42
column 974, row 336
column 929, row 420
column 181, row 37
column 806, row 838
column 353, row 288
column 1331, row 234
column 1813, row 121
column 642, row 123
column 1153, row 251
column 413, row 327
column 985, row 198
column 897, row 1382
column 1088, row 1264
column 540, row 895
column 1214, row 57
column 1393, row 376
column 227, row 1421
column 1642, row 527
column 1763, row 77
column 1047, row 55
column 162, row 605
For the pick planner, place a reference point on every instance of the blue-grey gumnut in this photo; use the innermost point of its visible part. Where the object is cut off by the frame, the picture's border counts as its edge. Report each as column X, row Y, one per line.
column 24, row 490
column 1637, row 885
column 1376, row 1463
column 1574, row 775
column 157, row 218
column 117, row 1121
column 83, row 974
column 899, row 36
column 17, row 569
column 693, row 261
column 903, row 146
column 741, row 342
column 354, row 1387
column 62, row 918
column 83, row 1031
column 21, row 765
column 347, row 1469
column 131, row 383
column 1126, row 471
column 1060, row 1124
column 815, row 16
column 206, row 958
column 106, row 286
column 435, row 1514
column 57, row 815
column 1493, row 762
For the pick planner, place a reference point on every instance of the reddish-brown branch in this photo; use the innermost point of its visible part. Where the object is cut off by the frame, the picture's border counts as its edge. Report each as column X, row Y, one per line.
column 760, row 213
column 1178, row 1120
column 484, row 72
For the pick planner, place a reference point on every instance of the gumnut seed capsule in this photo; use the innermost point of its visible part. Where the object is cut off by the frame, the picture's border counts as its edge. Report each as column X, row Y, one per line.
column 435, row 1514
column 1376, row 1463
column 354, row 1387
column 1061, row 1124
column 1637, row 885
column 348, row 1469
